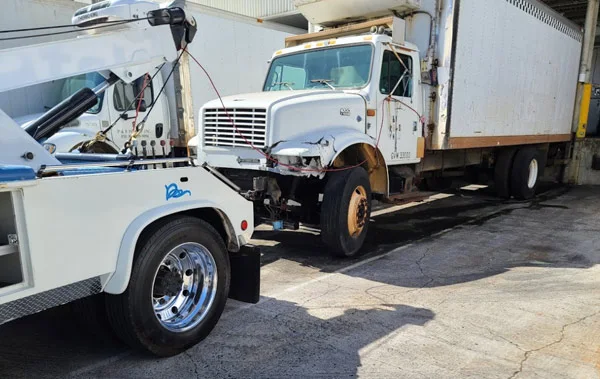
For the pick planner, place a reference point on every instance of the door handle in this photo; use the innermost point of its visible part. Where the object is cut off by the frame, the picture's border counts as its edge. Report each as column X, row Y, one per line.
column 158, row 130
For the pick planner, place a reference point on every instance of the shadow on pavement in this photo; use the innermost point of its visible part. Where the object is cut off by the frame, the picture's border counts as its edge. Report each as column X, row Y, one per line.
column 52, row 343
column 275, row 338
column 281, row 339
column 488, row 237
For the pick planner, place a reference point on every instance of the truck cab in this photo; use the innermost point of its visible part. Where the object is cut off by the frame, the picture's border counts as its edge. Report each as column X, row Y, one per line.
column 350, row 86
column 118, row 104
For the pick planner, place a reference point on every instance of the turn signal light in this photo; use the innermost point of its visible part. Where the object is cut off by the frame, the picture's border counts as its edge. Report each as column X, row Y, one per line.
column 371, row 112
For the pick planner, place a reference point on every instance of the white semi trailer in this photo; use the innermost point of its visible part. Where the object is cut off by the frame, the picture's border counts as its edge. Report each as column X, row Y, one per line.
column 225, row 51
column 371, row 108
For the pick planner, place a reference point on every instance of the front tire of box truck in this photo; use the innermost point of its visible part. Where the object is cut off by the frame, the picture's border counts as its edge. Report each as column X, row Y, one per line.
column 178, row 288
column 346, row 211
column 525, row 173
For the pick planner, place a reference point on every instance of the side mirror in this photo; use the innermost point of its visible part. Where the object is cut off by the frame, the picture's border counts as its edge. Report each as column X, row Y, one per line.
column 143, row 107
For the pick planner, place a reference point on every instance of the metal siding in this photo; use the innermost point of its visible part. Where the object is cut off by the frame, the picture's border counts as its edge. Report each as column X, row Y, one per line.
column 252, row 8
column 514, row 74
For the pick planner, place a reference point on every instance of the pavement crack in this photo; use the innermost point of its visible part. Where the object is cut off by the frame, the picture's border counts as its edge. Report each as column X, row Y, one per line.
column 189, row 355
column 557, row 341
column 418, row 262
column 368, row 292
column 335, row 288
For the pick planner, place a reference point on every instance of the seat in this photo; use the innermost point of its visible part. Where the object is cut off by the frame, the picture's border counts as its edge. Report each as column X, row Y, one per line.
column 346, row 76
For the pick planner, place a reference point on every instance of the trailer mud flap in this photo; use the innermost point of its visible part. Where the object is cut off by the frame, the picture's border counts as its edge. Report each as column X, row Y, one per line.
column 245, row 275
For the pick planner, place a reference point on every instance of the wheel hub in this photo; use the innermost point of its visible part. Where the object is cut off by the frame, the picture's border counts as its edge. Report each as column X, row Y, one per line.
column 358, row 211
column 168, row 282
column 533, row 173
column 184, row 287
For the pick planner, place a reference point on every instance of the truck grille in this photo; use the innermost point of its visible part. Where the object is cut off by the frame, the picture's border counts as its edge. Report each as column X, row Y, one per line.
column 250, row 122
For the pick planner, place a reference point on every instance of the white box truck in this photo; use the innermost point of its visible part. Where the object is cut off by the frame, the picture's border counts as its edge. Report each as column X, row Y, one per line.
column 371, row 108
column 236, row 49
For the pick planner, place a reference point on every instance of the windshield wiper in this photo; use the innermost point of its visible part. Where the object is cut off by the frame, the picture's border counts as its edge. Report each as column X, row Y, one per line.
column 287, row 84
column 324, row 81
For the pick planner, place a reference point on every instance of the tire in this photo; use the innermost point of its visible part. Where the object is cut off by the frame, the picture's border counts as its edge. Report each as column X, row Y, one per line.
column 525, row 173
column 503, row 172
column 341, row 189
column 155, row 284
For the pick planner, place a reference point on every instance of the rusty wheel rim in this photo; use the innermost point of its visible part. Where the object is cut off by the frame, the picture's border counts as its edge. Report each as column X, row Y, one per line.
column 357, row 211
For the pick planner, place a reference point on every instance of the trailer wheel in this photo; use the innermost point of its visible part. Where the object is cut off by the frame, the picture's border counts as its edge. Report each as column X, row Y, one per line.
column 525, row 173
column 177, row 291
column 503, row 172
column 346, row 211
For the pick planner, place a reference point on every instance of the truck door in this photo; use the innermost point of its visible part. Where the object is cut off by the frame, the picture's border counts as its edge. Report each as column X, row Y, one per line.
column 125, row 102
column 401, row 123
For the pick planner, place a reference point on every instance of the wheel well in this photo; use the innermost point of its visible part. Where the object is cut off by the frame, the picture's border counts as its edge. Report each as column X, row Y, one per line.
column 211, row 215
column 374, row 164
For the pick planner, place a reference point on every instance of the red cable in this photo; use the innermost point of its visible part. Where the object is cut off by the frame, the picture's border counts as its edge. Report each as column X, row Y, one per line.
column 141, row 94
column 267, row 156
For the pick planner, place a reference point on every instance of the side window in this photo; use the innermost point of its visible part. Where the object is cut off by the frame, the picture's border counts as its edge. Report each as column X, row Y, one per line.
column 394, row 71
column 127, row 94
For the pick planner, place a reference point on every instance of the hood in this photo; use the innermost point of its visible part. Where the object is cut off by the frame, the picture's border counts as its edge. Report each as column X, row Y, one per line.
column 285, row 116
column 25, row 121
column 86, row 120
column 265, row 99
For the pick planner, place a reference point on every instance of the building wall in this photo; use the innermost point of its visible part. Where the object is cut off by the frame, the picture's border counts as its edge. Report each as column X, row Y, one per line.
column 19, row 14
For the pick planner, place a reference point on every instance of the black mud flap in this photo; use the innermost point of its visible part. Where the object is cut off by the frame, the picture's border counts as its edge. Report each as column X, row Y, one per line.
column 245, row 275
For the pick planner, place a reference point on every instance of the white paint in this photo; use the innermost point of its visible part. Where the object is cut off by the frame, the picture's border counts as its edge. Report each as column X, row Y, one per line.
column 15, row 143
column 326, row 12
column 236, row 56
column 66, row 250
column 128, row 51
column 514, row 74
column 18, row 14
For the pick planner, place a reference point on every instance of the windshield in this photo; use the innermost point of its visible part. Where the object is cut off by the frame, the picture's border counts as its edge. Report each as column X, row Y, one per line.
column 339, row 68
column 75, row 83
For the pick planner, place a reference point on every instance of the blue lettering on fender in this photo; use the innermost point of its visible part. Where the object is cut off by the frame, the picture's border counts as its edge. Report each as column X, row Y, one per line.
column 173, row 192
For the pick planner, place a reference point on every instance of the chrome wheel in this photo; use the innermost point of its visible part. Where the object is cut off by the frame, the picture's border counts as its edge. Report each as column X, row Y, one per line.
column 184, row 287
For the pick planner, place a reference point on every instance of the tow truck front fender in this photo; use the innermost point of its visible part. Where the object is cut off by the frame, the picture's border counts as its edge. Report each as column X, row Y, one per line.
column 118, row 281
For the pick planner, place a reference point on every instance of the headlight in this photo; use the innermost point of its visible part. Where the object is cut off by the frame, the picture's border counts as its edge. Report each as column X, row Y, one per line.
column 50, row 147
column 193, row 151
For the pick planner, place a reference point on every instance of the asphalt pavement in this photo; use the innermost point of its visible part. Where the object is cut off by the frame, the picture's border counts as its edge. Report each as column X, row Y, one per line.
column 464, row 285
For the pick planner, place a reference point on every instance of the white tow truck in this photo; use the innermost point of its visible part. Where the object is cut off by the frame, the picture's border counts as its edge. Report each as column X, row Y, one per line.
column 394, row 96
column 173, row 245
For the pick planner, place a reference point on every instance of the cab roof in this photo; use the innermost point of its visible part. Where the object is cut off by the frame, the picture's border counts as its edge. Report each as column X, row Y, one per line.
column 374, row 39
